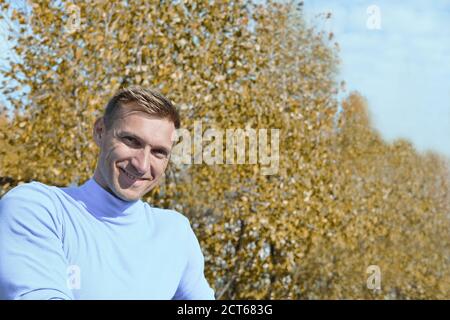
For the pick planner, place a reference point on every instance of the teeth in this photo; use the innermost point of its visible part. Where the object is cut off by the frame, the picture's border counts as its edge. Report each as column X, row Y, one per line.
column 129, row 175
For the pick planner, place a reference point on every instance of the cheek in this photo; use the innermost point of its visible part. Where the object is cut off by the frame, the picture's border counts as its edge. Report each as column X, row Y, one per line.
column 160, row 166
column 114, row 154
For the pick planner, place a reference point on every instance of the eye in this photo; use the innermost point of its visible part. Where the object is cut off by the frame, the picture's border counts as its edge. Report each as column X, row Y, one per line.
column 130, row 140
column 160, row 153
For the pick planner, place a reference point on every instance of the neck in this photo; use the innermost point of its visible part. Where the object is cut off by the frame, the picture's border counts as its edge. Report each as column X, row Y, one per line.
column 102, row 203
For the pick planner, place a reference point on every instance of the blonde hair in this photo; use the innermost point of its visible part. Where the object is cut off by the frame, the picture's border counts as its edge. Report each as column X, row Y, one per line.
column 145, row 100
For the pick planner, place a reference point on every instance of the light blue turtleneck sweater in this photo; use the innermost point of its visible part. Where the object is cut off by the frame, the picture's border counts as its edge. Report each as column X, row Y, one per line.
column 84, row 243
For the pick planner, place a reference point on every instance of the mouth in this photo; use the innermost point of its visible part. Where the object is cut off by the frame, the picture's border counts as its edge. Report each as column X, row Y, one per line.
column 130, row 177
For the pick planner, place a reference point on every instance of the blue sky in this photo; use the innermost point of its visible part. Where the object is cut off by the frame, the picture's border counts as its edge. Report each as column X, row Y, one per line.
column 403, row 68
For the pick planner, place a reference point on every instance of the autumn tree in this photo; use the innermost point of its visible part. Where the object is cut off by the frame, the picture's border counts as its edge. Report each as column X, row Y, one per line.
column 334, row 199
column 396, row 209
column 8, row 150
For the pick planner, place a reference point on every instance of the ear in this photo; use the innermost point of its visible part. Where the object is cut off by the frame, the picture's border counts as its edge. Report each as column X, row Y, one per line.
column 99, row 131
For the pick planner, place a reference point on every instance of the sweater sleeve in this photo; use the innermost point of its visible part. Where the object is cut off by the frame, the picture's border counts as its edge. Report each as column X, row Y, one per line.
column 32, row 260
column 193, row 284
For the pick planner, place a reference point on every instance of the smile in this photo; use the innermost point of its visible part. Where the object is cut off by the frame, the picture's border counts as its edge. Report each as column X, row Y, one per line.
column 129, row 175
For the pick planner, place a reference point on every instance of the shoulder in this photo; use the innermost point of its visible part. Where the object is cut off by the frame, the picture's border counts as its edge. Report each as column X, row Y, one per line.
column 29, row 193
column 29, row 199
column 33, row 189
column 169, row 217
column 167, row 214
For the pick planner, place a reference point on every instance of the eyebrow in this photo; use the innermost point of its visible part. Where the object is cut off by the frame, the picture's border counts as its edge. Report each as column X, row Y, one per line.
column 126, row 133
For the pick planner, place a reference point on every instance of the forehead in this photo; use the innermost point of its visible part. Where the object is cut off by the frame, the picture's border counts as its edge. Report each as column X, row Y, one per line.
column 150, row 129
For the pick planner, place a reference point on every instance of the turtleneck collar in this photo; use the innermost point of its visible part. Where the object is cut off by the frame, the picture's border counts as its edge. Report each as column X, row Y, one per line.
column 100, row 202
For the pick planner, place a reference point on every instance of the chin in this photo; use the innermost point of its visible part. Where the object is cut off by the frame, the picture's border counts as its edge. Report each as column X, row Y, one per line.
column 124, row 194
column 126, row 197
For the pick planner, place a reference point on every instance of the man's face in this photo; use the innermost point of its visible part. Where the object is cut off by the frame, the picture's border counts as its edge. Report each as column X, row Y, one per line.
column 134, row 153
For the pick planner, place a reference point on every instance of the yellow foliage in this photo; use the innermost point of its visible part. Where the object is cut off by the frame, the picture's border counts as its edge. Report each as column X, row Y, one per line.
column 342, row 200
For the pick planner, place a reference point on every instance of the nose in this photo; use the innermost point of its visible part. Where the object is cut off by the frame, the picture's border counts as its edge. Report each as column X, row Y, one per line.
column 141, row 161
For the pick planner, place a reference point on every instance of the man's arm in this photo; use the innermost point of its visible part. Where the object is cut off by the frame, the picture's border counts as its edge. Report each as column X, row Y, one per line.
column 193, row 284
column 32, row 261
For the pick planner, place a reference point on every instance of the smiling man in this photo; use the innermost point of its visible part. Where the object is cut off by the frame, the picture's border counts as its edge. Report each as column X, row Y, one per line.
column 99, row 240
